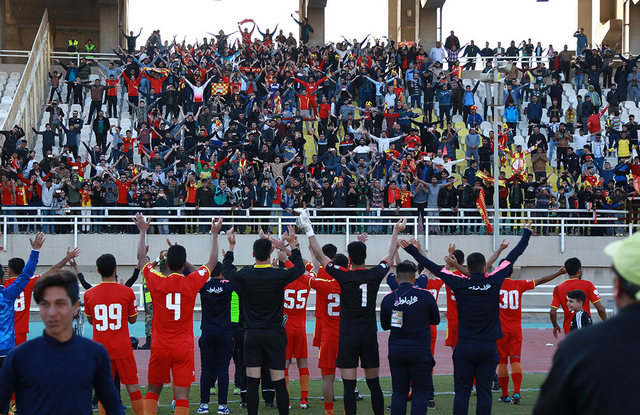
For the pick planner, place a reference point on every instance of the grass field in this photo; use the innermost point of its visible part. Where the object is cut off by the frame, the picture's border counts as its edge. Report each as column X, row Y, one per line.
column 443, row 387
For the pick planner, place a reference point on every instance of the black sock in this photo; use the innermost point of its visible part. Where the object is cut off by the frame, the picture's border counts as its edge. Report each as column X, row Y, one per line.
column 252, row 395
column 282, row 396
column 377, row 400
column 350, row 404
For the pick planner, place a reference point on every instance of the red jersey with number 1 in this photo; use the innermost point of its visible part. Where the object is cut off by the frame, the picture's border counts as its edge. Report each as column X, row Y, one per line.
column 110, row 305
column 174, row 298
column 511, row 303
column 295, row 303
column 22, row 305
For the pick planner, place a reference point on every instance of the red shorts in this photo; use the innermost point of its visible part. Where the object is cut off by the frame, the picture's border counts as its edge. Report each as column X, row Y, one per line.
column 126, row 369
column 452, row 333
column 165, row 362
column 434, row 336
column 510, row 345
column 328, row 351
column 297, row 343
column 317, row 333
column 21, row 338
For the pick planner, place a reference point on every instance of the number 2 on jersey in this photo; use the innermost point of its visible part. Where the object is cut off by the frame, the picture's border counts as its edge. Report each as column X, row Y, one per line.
column 173, row 303
column 334, row 301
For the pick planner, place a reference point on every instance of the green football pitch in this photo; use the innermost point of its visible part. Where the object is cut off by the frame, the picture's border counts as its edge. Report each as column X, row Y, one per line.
column 443, row 387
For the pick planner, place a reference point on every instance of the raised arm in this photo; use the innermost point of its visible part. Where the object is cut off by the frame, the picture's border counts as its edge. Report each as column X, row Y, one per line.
column 503, row 245
column 143, row 226
column 522, row 245
column 71, row 254
column 550, row 277
column 216, row 225
column 13, row 291
column 393, row 245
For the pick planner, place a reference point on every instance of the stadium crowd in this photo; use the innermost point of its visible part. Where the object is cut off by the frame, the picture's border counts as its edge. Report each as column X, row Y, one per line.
column 269, row 122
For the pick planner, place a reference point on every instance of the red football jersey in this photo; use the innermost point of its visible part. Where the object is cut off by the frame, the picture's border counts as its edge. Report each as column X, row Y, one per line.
column 110, row 305
column 433, row 286
column 174, row 298
column 22, row 305
column 295, row 302
column 452, row 305
column 560, row 298
column 328, row 289
column 511, row 303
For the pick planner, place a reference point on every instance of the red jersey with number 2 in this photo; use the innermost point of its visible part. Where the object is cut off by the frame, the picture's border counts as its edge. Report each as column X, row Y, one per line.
column 174, row 298
column 328, row 289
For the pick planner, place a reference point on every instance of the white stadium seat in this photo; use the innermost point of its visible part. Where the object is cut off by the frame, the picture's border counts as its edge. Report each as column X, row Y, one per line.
column 6, row 100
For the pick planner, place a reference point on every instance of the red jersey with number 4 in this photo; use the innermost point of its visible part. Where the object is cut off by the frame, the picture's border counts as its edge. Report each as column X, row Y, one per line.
column 174, row 298
column 328, row 299
column 511, row 303
column 560, row 298
column 295, row 302
column 110, row 305
column 22, row 305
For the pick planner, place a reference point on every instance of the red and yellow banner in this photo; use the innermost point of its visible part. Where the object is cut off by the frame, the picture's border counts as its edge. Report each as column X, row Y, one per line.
column 482, row 208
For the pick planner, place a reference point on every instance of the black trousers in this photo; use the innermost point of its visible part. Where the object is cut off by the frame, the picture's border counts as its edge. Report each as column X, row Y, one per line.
column 216, row 349
column 410, row 369
column 240, row 378
column 95, row 106
column 112, row 104
column 474, row 360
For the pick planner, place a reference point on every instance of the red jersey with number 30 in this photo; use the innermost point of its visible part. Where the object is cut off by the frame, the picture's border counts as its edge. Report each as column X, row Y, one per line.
column 110, row 305
column 511, row 303
column 328, row 300
column 174, row 298
column 295, row 302
column 22, row 305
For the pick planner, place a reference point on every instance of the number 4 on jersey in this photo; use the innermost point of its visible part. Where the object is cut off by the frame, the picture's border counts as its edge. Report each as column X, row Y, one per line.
column 173, row 303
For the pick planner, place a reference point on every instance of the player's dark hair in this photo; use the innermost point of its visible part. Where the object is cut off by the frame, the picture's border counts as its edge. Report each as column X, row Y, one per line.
column 341, row 260
column 357, row 252
column 262, row 249
column 577, row 295
column 217, row 270
column 63, row 279
column 176, row 257
column 573, row 266
column 15, row 265
column 476, row 262
column 329, row 250
column 106, row 265
column 459, row 256
column 406, row 270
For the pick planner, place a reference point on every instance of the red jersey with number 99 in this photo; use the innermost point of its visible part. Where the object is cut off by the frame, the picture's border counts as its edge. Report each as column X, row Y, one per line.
column 110, row 305
column 22, row 305
column 295, row 302
column 511, row 303
column 174, row 298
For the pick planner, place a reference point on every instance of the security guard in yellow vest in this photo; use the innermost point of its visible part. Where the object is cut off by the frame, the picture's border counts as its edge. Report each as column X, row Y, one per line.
column 72, row 44
column 89, row 48
column 148, row 315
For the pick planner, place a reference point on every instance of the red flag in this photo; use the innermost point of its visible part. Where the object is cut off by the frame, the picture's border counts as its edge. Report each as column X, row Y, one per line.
column 482, row 208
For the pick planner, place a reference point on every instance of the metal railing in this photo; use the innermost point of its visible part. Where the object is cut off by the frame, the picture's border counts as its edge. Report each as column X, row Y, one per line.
column 338, row 221
column 30, row 92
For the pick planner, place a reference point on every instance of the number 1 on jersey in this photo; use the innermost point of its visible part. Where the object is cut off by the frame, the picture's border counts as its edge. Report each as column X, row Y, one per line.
column 173, row 303
column 363, row 288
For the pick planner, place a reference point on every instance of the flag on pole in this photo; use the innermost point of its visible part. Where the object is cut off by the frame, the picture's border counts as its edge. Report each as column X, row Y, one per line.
column 482, row 208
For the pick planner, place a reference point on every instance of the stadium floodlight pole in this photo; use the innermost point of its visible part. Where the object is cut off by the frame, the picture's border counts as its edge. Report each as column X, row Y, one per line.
column 497, row 101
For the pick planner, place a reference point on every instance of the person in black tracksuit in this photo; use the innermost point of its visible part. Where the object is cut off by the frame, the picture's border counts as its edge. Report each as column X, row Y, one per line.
column 478, row 299
column 216, row 341
column 408, row 312
column 261, row 289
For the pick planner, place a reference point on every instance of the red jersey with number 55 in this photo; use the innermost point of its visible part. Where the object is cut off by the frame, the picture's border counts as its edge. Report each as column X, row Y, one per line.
column 174, row 298
column 295, row 302
column 110, row 305
column 22, row 305
column 328, row 289
column 511, row 303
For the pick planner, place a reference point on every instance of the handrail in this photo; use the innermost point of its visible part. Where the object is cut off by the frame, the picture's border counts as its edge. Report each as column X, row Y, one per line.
column 30, row 93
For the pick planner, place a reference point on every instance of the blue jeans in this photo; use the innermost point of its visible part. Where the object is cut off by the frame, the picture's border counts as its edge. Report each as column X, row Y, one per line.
column 599, row 162
column 163, row 229
column 47, row 211
column 552, row 146
column 579, row 81
column 10, row 214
